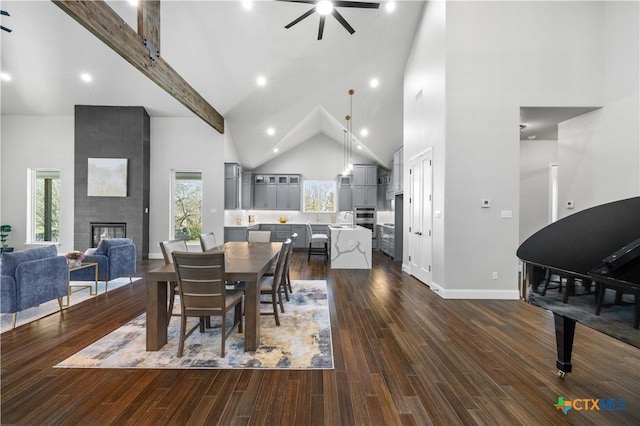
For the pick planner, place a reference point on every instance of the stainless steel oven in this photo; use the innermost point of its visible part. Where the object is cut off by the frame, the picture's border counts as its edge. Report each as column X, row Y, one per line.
column 367, row 218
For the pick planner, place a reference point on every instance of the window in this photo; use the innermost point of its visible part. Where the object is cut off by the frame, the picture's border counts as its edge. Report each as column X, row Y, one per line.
column 319, row 196
column 187, row 205
column 44, row 209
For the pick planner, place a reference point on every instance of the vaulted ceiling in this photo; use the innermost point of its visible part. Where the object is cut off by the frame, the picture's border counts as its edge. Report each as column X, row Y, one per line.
column 220, row 48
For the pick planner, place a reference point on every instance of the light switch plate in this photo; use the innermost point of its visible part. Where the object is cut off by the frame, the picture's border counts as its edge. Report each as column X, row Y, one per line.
column 486, row 203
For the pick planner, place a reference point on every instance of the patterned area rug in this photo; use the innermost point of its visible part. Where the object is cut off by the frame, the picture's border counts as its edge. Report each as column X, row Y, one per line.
column 303, row 341
column 52, row 307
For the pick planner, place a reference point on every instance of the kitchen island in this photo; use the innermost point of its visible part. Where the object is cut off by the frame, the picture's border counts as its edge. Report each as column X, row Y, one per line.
column 349, row 246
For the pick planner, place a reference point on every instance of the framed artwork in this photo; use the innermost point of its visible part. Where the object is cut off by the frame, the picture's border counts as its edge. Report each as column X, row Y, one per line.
column 107, row 177
column 319, row 196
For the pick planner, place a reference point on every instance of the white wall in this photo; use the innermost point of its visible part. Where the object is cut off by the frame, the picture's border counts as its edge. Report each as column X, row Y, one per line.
column 501, row 56
column 535, row 158
column 184, row 144
column 424, row 122
column 36, row 142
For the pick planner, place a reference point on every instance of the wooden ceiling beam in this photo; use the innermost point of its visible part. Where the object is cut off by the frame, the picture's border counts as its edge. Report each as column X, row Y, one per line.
column 149, row 21
column 103, row 22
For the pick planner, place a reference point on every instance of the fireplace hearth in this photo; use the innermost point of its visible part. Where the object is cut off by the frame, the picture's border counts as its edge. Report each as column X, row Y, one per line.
column 106, row 230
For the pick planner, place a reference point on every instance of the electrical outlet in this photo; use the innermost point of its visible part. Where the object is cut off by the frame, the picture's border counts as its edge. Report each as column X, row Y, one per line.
column 494, row 275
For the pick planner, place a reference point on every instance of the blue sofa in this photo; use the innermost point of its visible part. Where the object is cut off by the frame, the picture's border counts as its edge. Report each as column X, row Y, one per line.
column 115, row 258
column 31, row 277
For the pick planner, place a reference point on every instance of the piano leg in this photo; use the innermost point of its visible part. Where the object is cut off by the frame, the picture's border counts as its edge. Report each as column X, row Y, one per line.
column 565, row 330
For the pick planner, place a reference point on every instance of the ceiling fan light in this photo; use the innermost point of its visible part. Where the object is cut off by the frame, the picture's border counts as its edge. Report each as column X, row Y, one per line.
column 324, row 7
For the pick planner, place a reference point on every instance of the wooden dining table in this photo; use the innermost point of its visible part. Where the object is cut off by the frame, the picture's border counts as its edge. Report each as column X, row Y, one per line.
column 244, row 261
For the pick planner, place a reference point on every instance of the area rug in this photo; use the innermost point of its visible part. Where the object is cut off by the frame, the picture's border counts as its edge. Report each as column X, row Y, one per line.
column 51, row 307
column 302, row 341
column 614, row 320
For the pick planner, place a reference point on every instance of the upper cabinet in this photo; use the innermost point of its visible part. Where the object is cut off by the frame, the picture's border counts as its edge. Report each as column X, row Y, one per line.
column 276, row 192
column 365, row 174
column 247, row 190
column 232, row 185
column 345, row 193
column 397, row 180
column 365, row 185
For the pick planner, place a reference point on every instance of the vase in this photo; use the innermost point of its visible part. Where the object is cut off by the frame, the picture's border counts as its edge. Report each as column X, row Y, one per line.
column 74, row 263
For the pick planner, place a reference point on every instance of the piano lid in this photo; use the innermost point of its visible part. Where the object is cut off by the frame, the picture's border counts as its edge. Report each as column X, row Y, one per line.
column 579, row 243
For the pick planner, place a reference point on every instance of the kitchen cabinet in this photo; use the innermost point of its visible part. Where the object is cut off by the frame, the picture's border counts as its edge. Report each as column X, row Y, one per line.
column 384, row 203
column 276, row 192
column 345, row 193
column 231, row 186
column 365, row 196
column 386, row 240
column 246, row 192
column 365, row 185
column 365, row 174
column 237, row 233
column 301, row 240
column 397, row 179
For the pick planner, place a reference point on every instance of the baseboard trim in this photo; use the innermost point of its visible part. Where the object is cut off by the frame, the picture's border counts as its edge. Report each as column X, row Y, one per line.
column 469, row 293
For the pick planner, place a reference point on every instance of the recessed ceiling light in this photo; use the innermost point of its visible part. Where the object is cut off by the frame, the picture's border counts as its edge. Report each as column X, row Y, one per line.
column 390, row 6
column 247, row 4
column 271, row 131
column 133, row 2
column 364, row 132
column 5, row 77
column 86, row 77
column 275, row 149
column 261, row 80
column 324, row 7
column 374, row 82
column 359, row 146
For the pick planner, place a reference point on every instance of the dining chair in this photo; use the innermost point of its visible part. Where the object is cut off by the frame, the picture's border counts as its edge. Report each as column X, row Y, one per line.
column 270, row 285
column 317, row 239
column 168, row 247
column 203, row 294
column 285, row 285
column 208, row 241
column 259, row 236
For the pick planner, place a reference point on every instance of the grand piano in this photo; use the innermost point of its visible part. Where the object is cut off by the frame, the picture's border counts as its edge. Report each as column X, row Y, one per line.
column 599, row 248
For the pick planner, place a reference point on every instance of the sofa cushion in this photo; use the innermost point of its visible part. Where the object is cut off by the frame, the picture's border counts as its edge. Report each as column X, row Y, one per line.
column 105, row 245
column 10, row 261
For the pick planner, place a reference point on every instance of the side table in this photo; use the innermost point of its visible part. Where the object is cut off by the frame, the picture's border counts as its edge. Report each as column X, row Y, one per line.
column 83, row 286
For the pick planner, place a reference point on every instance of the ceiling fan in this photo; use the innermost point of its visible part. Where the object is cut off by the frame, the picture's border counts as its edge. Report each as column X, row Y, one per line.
column 324, row 8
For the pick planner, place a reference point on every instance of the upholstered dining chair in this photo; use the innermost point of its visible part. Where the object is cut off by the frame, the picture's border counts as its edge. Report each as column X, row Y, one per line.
column 259, row 236
column 168, row 247
column 203, row 294
column 317, row 239
column 270, row 285
column 208, row 241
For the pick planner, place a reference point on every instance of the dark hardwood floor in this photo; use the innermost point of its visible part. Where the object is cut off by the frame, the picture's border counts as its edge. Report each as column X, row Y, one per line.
column 402, row 354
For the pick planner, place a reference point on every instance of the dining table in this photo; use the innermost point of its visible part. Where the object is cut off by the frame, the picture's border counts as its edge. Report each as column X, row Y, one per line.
column 245, row 262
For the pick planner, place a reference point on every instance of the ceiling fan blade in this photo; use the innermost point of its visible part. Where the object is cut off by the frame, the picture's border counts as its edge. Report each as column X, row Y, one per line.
column 343, row 21
column 300, row 18
column 321, row 27
column 362, row 5
column 300, row 1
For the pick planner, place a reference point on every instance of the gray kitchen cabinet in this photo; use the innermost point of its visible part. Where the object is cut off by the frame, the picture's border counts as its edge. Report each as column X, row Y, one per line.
column 384, row 203
column 231, row 186
column 276, row 192
column 365, row 196
column 345, row 193
column 247, row 190
column 301, row 240
column 237, row 233
column 397, row 180
column 365, row 174
column 386, row 240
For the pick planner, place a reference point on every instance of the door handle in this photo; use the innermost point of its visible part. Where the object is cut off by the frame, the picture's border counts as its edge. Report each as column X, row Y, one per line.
column 418, row 233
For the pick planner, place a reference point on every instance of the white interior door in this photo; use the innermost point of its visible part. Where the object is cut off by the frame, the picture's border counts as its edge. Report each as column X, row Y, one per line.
column 420, row 231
